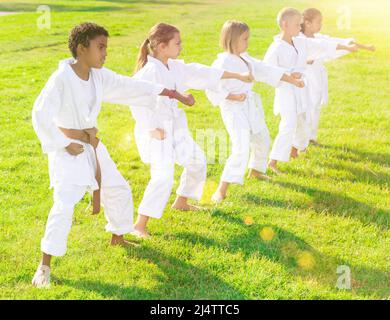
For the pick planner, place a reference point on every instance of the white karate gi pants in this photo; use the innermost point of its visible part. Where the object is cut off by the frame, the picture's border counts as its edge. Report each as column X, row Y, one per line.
column 293, row 131
column 245, row 144
column 118, row 210
column 163, row 156
column 314, row 122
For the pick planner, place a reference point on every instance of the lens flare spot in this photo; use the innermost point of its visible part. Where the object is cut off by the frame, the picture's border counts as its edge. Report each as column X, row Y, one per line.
column 267, row 233
column 306, row 260
column 248, row 221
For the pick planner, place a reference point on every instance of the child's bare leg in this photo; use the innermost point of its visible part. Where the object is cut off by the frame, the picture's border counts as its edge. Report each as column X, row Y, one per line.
column 294, row 153
column 41, row 277
column 182, row 204
column 140, row 226
column 257, row 174
column 220, row 193
column 273, row 166
column 46, row 259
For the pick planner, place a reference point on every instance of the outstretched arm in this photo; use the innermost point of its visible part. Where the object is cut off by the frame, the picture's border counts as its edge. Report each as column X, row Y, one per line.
column 121, row 89
column 368, row 47
column 349, row 47
column 131, row 91
column 245, row 77
column 272, row 74
column 201, row 77
column 185, row 98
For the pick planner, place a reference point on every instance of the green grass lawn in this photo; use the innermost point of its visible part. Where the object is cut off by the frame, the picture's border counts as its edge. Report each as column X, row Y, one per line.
column 269, row 240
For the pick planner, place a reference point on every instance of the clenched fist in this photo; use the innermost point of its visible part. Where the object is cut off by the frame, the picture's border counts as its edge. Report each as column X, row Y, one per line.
column 75, row 149
column 158, row 134
column 237, row 97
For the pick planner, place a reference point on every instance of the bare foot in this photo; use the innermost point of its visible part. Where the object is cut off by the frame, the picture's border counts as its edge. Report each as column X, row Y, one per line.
column 218, row 196
column 182, row 205
column 185, row 207
column 258, row 175
column 142, row 234
column 272, row 165
column 41, row 277
column 120, row 241
column 294, row 153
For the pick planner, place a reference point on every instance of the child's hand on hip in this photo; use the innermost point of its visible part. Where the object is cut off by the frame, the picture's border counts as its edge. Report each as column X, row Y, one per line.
column 297, row 75
column 75, row 149
column 299, row 83
column 158, row 134
column 236, row 97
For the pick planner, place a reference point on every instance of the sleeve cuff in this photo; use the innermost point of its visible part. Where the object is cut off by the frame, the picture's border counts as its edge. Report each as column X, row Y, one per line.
column 332, row 48
column 216, row 76
column 276, row 80
column 61, row 144
column 158, row 88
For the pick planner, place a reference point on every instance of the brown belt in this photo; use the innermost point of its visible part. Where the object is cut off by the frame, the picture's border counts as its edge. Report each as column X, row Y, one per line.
column 89, row 136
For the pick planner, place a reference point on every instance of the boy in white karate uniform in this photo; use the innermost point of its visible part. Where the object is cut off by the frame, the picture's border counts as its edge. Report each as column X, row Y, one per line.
column 316, row 72
column 241, row 108
column 292, row 53
column 161, row 130
column 65, row 119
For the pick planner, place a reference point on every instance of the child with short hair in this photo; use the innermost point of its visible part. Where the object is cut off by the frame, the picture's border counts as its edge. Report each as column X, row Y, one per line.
column 64, row 118
column 241, row 108
column 315, row 71
column 292, row 52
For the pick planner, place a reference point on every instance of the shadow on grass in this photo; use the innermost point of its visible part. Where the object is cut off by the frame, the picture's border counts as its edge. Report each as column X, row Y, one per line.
column 356, row 155
column 331, row 203
column 340, row 155
column 297, row 256
column 361, row 175
column 181, row 280
column 109, row 290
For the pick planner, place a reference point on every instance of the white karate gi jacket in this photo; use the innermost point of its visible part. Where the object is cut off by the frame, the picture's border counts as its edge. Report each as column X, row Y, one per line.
column 282, row 54
column 316, row 73
column 260, row 71
column 62, row 103
column 163, row 112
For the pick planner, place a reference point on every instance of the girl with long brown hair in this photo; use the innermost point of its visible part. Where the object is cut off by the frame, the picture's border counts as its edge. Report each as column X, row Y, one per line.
column 161, row 130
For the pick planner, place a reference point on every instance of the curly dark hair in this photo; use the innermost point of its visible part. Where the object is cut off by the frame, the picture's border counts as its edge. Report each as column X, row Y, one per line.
column 82, row 34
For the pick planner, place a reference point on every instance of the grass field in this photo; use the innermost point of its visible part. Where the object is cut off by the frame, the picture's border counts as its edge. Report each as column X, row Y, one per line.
column 269, row 240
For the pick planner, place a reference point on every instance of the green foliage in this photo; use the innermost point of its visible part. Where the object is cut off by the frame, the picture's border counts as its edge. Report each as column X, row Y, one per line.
column 331, row 208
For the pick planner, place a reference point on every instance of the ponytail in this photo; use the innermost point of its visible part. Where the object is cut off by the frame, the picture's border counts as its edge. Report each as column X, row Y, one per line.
column 143, row 55
column 159, row 33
